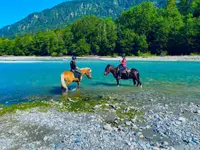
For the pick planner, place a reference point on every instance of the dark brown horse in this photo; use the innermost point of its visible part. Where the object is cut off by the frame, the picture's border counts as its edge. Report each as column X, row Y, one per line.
column 127, row 74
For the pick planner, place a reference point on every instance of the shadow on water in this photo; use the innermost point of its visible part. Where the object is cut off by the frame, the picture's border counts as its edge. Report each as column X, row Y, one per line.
column 110, row 84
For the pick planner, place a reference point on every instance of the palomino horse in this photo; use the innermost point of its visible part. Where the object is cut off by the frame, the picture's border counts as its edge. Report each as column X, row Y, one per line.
column 68, row 77
column 131, row 74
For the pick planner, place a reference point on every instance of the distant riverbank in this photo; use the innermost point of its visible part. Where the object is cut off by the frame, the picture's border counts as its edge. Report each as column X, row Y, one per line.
column 49, row 58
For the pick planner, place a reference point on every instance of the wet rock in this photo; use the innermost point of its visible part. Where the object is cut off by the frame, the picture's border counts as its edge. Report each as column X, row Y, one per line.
column 107, row 105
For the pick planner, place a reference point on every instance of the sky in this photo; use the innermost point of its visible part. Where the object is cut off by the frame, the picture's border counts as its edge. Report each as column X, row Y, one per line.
column 12, row 11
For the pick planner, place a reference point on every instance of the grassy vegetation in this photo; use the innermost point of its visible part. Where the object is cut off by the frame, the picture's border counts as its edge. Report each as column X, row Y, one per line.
column 147, row 54
column 23, row 106
column 82, row 104
column 194, row 54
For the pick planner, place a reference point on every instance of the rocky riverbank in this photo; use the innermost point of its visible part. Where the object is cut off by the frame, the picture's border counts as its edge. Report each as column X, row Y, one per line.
column 103, row 124
column 48, row 58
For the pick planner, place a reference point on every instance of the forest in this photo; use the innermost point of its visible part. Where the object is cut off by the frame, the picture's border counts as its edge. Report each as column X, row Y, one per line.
column 142, row 29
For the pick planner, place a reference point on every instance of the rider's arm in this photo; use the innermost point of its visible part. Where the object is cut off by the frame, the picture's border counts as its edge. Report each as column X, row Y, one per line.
column 76, row 65
column 71, row 65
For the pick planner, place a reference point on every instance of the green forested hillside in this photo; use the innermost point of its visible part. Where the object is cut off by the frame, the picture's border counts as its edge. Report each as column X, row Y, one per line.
column 141, row 29
column 67, row 12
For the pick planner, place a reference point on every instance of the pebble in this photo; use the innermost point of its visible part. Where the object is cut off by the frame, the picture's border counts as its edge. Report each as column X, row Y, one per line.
column 141, row 136
column 107, row 127
column 148, row 127
column 165, row 143
column 171, row 148
column 151, row 100
column 45, row 138
column 128, row 123
column 197, row 111
column 182, row 119
column 70, row 100
column 139, row 133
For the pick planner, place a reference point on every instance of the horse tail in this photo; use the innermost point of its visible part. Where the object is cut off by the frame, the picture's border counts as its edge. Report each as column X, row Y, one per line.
column 63, row 81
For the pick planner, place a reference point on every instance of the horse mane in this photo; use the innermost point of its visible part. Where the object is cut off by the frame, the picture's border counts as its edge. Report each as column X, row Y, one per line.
column 87, row 69
column 112, row 66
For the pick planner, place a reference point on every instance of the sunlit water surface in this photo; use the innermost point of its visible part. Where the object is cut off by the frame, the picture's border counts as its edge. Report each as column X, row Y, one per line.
column 162, row 81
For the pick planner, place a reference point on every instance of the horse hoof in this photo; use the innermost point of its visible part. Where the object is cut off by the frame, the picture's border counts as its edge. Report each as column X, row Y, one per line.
column 141, row 86
column 118, row 86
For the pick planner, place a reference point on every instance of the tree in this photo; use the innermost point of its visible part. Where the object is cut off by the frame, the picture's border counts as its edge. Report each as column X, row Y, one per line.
column 174, row 19
column 137, row 24
column 140, row 18
column 81, row 48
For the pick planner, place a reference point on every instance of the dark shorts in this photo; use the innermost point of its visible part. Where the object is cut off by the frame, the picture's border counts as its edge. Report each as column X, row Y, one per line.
column 77, row 71
column 121, row 68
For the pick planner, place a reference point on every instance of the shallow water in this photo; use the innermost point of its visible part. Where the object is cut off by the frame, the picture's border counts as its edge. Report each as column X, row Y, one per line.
column 162, row 81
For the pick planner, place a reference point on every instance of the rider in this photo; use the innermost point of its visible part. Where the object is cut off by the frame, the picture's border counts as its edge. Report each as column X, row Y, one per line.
column 122, row 66
column 74, row 68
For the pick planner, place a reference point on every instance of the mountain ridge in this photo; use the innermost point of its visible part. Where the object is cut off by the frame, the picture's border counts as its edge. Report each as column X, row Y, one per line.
column 67, row 12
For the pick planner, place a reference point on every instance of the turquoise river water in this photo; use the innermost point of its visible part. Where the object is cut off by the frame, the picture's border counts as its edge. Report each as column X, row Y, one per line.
column 174, row 81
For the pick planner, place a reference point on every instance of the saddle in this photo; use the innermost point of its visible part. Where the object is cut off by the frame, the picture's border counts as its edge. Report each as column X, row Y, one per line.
column 127, row 70
column 77, row 75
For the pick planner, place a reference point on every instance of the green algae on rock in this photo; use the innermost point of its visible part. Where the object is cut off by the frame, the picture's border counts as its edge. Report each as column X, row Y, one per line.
column 102, row 105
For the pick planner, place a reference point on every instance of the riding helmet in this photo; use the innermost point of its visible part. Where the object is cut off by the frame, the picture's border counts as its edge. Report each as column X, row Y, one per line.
column 73, row 57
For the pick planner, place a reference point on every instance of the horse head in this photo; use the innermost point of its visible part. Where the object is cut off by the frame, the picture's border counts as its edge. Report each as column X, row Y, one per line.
column 107, row 69
column 87, row 71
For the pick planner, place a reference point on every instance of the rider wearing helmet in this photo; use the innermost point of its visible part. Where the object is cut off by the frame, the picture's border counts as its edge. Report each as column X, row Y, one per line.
column 73, row 66
column 122, row 66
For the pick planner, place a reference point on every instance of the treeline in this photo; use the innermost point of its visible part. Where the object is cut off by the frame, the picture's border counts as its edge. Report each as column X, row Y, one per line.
column 173, row 30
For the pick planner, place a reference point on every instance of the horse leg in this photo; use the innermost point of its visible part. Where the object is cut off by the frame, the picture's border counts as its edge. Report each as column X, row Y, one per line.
column 138, row 80
column 117, row 81
column 78, row 85
column 67, row 83
column 62, row 89
column 134, row 82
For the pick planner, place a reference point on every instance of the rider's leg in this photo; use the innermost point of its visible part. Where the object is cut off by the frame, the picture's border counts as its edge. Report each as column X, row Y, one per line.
column 122, row 68
column 79, row 74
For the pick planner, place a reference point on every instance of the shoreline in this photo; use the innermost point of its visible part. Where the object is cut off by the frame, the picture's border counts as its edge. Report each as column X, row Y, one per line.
column 49, row 58
column 50, row 125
